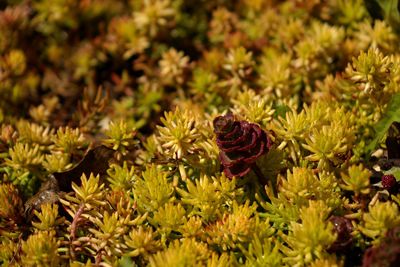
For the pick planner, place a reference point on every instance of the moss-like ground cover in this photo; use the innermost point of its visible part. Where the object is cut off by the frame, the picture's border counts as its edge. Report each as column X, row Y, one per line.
column 199, row 133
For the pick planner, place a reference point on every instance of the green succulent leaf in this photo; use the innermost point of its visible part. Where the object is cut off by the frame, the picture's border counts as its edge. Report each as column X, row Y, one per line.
column 281, row 110
column 392, row 114
column 395, row 171
column 388, row 9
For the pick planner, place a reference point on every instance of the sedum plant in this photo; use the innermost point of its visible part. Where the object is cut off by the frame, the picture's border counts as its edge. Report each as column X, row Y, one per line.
column 206, row 133
column 380, row 218
column 153, row 189
column 208, row 195
column 357, row 180
column 41, row 249
column 309, row 239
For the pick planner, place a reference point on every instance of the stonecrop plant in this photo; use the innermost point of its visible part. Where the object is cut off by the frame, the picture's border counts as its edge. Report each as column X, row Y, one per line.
column 200, row 133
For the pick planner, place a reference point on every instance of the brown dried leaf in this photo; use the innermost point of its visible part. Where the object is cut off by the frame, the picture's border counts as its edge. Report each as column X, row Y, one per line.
column 95, row 161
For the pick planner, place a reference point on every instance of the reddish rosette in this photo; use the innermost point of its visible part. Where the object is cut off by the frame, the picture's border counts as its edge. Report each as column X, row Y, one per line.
column 241, row 143
column 387, row 253
column 343, row 228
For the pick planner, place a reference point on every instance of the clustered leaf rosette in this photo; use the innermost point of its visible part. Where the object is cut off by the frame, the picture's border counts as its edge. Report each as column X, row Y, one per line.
column 240, row 144
column 343, row 228
column 387, row 253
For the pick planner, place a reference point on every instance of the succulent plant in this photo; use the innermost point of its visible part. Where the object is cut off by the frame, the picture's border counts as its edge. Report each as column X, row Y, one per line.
column 112, row 138
column 342, row 227
column 387, row 253
column 240, row 143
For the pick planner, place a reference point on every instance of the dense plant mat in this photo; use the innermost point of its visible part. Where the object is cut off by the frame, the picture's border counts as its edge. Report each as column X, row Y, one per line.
column 199, row 133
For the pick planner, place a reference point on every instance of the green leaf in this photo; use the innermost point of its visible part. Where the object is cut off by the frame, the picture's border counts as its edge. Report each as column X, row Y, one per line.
column 280, row 111
column 126, row 261
column 389, row 9
column 392, row 114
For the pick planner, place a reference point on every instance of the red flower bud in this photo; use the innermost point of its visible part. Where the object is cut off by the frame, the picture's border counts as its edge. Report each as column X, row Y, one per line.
column 389, row 182
column 241, row 143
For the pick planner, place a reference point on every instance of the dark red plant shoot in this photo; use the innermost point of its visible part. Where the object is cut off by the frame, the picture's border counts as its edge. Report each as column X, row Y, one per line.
column 389, row 183
column 240, row 144
column 343, row 228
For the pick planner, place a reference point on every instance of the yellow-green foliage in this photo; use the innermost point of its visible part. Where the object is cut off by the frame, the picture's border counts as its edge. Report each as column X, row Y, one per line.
column 34, row 133
column 371, row 69
column 119, row 136
column 68, row 139
column 144, row 80
column 142, row 241
column 90, row 192
column 310, row 238
column 25, row 156
column 168, row 217
column 357, row 180
column 11, row 203
column 326, row 132
column 237, row 227
column 303, row 185
column 121, row 177
column 108, row 232
column 56, row 162
column 8, row 250
column 185, row 253
column 207, row 196
column 263, row 253
column 179, row 134
column 153, row 189
column 41, row 250
column 253, row 108
column 381, row 217
column 48, row 217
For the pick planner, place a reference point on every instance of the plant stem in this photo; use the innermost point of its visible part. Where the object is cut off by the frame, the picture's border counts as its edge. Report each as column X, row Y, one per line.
column 263, row 180
column 76, row 219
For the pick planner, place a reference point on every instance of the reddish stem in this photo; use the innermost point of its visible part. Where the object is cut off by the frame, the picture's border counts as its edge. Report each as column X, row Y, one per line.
column 74, row 225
